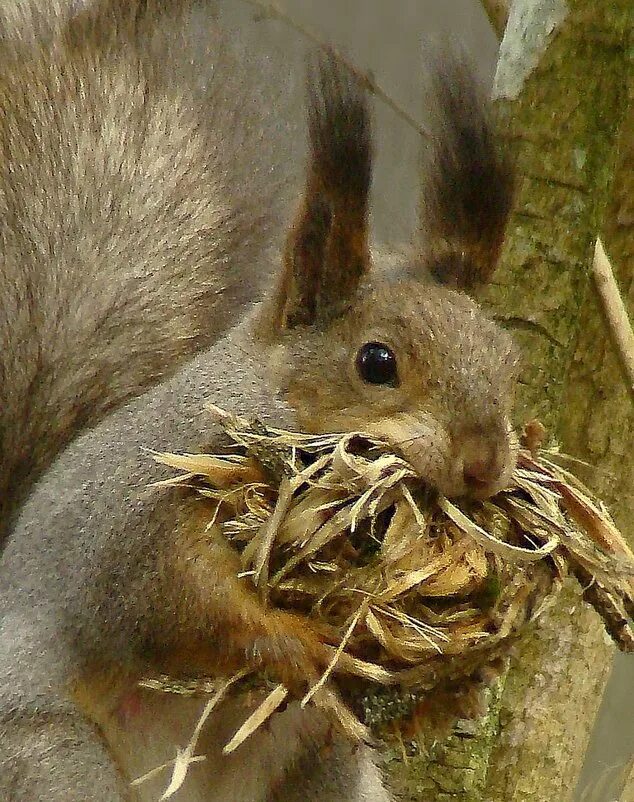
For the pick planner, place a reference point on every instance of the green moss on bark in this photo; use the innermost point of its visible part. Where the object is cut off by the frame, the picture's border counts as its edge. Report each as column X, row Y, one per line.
column 447, row 769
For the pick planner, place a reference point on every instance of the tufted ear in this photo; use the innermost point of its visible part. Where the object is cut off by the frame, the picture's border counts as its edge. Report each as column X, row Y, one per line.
column 327, row 250
column 468, row 180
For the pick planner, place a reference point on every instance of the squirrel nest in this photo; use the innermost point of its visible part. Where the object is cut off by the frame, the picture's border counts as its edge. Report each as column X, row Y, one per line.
column 407, row 587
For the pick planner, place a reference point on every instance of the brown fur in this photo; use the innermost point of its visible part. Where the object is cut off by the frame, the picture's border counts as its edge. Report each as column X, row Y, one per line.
column 453, row 403
column 102, row 579
column 450, row 414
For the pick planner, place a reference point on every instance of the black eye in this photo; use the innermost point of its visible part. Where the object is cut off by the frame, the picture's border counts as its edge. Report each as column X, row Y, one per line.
column 376, row 364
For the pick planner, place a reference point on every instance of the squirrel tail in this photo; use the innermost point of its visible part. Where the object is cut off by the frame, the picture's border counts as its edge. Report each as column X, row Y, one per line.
column 468, row 179
column 138, row 201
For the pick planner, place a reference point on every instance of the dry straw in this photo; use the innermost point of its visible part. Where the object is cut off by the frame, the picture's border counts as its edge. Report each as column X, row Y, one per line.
column 405, row 586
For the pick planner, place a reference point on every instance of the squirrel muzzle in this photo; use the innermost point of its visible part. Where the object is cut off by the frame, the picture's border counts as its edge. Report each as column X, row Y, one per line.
column 476, row 462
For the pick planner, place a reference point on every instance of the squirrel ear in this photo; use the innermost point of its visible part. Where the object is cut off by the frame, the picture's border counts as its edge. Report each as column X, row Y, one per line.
column 327, row 250
column 468, row 180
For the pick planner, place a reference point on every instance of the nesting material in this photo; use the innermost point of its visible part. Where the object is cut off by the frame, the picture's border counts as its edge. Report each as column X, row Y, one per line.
column 404, row 585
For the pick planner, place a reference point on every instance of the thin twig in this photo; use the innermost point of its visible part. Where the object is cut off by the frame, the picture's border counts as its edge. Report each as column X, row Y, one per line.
column 615, row 312
column 498, row 13
column 273, row 10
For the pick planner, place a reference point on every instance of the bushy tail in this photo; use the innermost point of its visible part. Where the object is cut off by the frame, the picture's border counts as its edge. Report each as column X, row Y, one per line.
column 468, row 179
column 137, row 205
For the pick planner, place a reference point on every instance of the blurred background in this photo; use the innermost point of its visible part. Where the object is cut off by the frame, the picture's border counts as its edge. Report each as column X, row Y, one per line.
column 387, row 39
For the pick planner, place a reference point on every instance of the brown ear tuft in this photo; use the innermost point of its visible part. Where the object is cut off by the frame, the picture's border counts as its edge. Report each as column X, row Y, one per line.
column 468, row 180
column 327, row 250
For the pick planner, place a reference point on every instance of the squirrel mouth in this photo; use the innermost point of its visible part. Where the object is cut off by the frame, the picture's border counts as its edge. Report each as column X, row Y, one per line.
column 476, row 465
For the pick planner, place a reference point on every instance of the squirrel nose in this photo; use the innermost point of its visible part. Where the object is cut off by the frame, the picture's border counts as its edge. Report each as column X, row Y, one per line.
column 482, row 465
column 479, row 473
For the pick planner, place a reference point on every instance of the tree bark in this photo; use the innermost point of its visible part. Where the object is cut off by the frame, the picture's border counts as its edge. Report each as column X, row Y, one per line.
column 563, row 80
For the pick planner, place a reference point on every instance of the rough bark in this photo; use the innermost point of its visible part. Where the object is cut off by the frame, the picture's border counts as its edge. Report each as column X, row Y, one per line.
column 530, row 744
column 548, row 706
column 599, row 423
column 563, row 79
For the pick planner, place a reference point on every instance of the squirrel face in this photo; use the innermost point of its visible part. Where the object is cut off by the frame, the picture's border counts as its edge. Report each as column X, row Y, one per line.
column 420, row 366
column 400, row 351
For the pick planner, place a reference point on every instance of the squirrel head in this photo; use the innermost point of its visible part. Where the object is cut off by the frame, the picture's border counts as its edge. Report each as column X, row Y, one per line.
column 394, row 346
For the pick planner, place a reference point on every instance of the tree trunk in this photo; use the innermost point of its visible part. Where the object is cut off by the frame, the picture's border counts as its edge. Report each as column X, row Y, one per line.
column 563, row 80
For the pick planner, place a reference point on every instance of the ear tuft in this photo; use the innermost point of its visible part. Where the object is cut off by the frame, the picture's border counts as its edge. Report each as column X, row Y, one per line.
column 468, row 180
column 327, row 250
column 339, row 131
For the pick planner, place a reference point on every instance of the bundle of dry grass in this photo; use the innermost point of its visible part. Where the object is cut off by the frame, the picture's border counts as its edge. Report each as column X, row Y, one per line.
column 407, row 586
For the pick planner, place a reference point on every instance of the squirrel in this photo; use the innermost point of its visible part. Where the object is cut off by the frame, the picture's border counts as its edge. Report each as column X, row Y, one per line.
column 138, row 215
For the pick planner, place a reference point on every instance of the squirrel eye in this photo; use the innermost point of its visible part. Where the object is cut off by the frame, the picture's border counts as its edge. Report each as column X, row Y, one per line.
column 376, row 364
